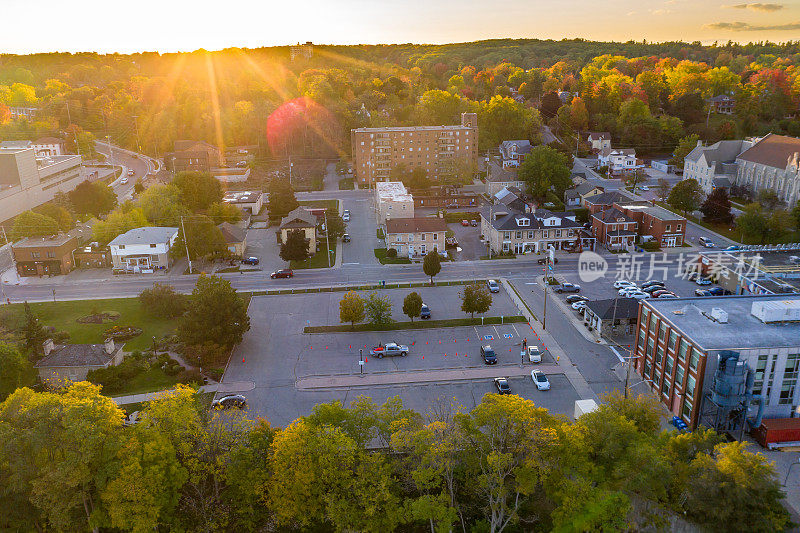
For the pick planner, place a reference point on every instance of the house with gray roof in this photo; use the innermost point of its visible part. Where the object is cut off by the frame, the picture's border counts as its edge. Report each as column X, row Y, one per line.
column 713, row 166
column 513, row 152
column 143, row 250
column 611, row 317
column 772, row 163
column 300, row 219
column 574, row 197
column 63, row 363
column 513, row 231
column 235, row 238
column 498, row 178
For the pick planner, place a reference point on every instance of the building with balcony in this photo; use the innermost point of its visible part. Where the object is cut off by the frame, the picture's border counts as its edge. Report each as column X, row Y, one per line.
column 143, row 250
column 442, row 151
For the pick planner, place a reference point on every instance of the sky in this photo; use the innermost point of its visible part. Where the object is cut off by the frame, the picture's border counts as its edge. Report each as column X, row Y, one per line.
column 180, row 25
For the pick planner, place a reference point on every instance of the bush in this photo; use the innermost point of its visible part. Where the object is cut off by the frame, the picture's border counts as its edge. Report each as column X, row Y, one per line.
column 581, row 215
column 163, row 301
column 391, row 253
column 190, row 376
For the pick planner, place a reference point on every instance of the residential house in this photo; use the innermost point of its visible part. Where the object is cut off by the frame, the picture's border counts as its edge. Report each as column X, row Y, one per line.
column 499, row 178
column 300, row 219
column 143, row 249
column 193, row 156
column 599, row 140
column 513, row 231
column 415, row 237
column 64, row 363
column 599, row 202
column 40, row 256
column 49, row 146
column 619, row 160
column 92, row 256
column 392, row 200
column 23, row 112
column 654, row 223
column 772, row 163
column 612, row 317
column 513, row 152
column 250, row 202
column 723, row 104
column 235, row 238
column 714, row 166
column 512, row 198
column 614, row 229
column 574, row 197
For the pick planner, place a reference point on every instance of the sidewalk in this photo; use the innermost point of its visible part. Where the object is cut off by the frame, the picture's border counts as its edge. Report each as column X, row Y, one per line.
column 422, row 376
column 236, row 386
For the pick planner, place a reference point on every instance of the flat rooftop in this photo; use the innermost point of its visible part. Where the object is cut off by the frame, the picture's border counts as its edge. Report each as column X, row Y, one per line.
column 742, row 331
column 392, row 190
column 241, row 197
column 38, row 242
column 390, row 129
column 652, row 210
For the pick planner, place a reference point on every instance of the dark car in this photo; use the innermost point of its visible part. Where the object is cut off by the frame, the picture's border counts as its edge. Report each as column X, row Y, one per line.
column 250, row 260
column 282, row 273
column 489, row 357
column 502, row 386
column 425, row 312
column 346, row 237
column 659, row 292
column 473, row 223
column 231, row 400
column 652, row 288
column 653, row 283
column 702, row 292
column 543, row 260
column 716, row 291
column 572, row 298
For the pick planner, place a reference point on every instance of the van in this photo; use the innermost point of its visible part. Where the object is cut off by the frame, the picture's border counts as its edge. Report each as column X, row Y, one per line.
column 705, row 241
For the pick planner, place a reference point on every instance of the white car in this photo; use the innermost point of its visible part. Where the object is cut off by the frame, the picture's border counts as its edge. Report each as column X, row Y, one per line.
column 346, row 215
column 628, row 290
column 493, row 286
column 579, row 305
column 123, row 181
column 639, row 295
column 622, row 283
column 534, row 354
column 540, row 380
column 644, row 188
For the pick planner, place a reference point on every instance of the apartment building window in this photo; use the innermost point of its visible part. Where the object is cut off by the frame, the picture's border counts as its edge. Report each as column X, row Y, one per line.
column 669, row 227
column 435, row 236
column 683, row 351
column 789, row 379
column 659, row 354
column 679, row 375
column 668, row 365
column 544, row 234
column 673, row 341
column 686, row 410
column 36, row 255
column 761, row 367
column 506, row 234
column 662, row 331
column 152, row 246
column 665, row 386
column 649, row 348
column 691, row 382
column 678, row 227
column 424, row 237
column 517, row 234
column 530, row 235
column 51, row 254
column 694, row 359
column 647, row 369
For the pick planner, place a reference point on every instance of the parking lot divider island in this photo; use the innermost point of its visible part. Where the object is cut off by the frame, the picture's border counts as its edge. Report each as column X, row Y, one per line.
column 418, row 324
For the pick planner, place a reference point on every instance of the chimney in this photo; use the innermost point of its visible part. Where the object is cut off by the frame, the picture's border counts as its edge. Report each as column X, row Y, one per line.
column 109, row 344
column 699, row 143
column 48, row 346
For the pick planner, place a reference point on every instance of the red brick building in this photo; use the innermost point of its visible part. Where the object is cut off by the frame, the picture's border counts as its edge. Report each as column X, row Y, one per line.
column 613, row 229
column 661, row 225
column 40, row 256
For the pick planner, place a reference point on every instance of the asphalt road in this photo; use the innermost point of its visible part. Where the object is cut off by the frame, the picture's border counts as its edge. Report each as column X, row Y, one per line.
column 140, row 164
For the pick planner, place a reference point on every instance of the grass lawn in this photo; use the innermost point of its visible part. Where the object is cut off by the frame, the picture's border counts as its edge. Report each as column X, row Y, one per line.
column 327, row 204
column 346, row 184
column 63, row 316
column 500, row 256
column 380, row 253
column 151, row 381
column 318, row 260
column 417, row 324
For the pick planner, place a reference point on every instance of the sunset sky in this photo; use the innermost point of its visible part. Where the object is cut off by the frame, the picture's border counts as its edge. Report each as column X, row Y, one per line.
column 178, row 25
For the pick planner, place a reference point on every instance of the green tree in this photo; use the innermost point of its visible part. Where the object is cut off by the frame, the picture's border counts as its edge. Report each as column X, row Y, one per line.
column 58, row 213
column 475, row 298
column 296, row 246
column 717, row 206
column 15, row 369
column 796, row 215
column 215, row 313
column 502, row 119
column 436, row 107
column 138, row 187
column 432, row 264
column 92, row 198
column 685, row 145
column 336, row 226
column 412, row 305
column 418, row 179
column 351, row 308
column 198, row 189
column 378, row 308
column 754, row 222
column 685, row 196
column 30, row 224
column 163, row 205
column 769, row 199
column 162, row 301
column 220, row 212
column 33, row 332
column 544, row 168
column 281, row 198
column 203, row 236
column 118, row 222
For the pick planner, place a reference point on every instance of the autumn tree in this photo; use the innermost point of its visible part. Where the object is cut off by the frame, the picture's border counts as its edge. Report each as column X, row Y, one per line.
column 199, row 190
column 161, row 300
column 685, row 145
column 92, row 198
column 543, row 168
column 378, row 308
column 15, row 369
column 351, row 308
column 717, row 206
column 118, row 222
column 30, row 224
column 412, row 305
column 475, row 298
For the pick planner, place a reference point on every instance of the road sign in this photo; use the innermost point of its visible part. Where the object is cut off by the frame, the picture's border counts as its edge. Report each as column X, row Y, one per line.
column 361, row 363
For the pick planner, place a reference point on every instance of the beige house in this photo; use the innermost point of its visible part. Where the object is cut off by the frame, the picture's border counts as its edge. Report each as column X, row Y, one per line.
column 599, row 140
column 498, row 178
column 235, row 238
column 415, row 237
column 511, row 231
column 71, row 362
column 392, row 200
column 303, row 220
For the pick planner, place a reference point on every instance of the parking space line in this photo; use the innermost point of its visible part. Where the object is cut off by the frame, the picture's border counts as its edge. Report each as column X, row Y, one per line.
column 515, row 330
column 495, row 331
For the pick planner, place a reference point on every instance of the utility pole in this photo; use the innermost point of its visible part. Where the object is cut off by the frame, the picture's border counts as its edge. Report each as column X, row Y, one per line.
column 551, row 254
column 186, row 244
column 327, row 238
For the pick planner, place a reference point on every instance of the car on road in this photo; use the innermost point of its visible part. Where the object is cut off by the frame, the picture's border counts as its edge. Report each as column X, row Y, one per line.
column 131, row 172
column 465, row 223
column 241, row 164
column 543, row 260
column 731, row 248
column 282, row 273
column 425, row 312
column 346, row 237
column 493, row 286
column 250, row 260
column 644, row 188
column 228, row 401
column 473, row 223
column 488, row 355
column 622, row 283
column 346, row 215
column 540, row 380
column 389, row 349
column 572, row 298
column 123, row 181
column 706, row 242
column 241, row 151
column 652, row 283
column 534, row 354
column 702, row 292
column 568, row 287
column 502, row 386
column 702, row 281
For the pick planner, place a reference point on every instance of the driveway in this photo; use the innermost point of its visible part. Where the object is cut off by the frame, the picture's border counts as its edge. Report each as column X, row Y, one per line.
column 469, row 240
column 363, row 231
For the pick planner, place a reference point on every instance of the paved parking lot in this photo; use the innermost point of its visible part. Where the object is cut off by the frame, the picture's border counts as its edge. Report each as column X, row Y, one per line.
column 362, row 229
column 292, row 371
column 469, row 240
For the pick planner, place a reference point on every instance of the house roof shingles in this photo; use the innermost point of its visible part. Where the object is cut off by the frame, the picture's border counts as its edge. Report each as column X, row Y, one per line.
column 774, row 151
column 300, row 217
column 145, row 235
column 415, row 225
column 231, row 233
column 77, row 355
column 605, row 309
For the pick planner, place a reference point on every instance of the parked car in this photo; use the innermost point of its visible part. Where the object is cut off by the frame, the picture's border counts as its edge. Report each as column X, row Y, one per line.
column 502, row 386
column 543, row 260
column 644, row 188
column 572, row 298
column 346, row 237
column 389, row 349
column 250, row 260
column 131, row 172
column 692, row 276
column 652, row 283
column 123, row 181
column 425, row 312
column 346, row 215
column 702, row 292
column 702, row 281
column 465, row 222
column 639, row 295
column 534, row 354
column 493, row 286
column 282, row 273
column 488, row 355
column 568, row 287
column 540, row 380
column 732, row 248
column 716, row 291
column 228, row 401
column 658, row 293
column 578, row 305
column 626, row 291
column 473, row 223
column 652, row 288
column 622, row 283
column 666, row 295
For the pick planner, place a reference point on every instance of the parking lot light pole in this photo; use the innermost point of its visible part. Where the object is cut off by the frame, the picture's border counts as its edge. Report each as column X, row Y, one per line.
column 361, row 360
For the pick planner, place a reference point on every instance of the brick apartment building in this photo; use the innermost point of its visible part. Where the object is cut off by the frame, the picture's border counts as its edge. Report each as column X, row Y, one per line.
column 617, row 221
column 614, row 229
column 659, row 224
column 39, row 256
column 437, row 149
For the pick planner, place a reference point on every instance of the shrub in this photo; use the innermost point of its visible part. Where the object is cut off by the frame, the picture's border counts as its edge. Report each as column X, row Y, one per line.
column 391, row 253
column 190, row 376
column 163, row 301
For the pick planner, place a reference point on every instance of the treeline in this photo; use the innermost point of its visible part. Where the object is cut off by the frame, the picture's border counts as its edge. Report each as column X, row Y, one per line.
column 67, row 462
column 307, row 107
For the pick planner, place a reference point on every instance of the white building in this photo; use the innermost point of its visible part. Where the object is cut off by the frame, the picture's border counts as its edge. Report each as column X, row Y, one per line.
column 392, row 200
column 713, row 166
column 599, row 140
column 49, row 146
column 143, row 249
column 619, row 160
column 252, row 201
